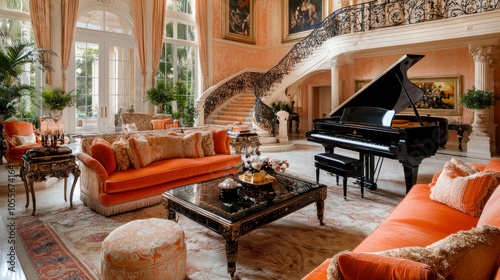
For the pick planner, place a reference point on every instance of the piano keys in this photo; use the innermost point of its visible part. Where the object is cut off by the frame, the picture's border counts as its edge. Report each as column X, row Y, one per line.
column 367, row 123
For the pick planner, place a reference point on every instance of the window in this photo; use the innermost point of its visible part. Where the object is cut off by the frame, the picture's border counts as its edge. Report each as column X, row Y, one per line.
column 103, row 21
column 178, row 60
column 15, row 26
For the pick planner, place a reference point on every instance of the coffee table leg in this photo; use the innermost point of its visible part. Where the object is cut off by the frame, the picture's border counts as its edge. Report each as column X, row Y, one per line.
column 171, row 215
column 231, row 254
column 320, row 207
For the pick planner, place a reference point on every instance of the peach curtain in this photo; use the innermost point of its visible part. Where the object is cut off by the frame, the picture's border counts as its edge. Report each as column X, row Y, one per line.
column 159, row 8
column 69, row 14
column 139, row 16
column 40, row 20
column 202, row 32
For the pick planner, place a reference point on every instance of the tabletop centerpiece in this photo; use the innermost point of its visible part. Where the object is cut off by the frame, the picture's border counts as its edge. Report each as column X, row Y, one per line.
column 260, row 170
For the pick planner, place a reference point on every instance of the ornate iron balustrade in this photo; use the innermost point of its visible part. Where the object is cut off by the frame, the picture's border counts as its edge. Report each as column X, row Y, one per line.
column 229, row 89
column 358, row 18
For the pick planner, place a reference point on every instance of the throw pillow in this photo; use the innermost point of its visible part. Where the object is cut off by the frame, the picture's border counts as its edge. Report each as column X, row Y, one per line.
column 464, row 255
column 207, row 142
column 219, row 137
column 191, row 145
column 158, row 124
column 129, row 127
column 459, row 191
column 164, row 146
column 21, row 140
column 120, row 147
column 467, row 168
column 493, row 165
column 102, row 151
column 139, row 151
column 377, row 267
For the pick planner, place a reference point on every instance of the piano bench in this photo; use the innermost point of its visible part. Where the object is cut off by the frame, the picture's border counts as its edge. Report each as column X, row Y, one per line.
column 340, row 166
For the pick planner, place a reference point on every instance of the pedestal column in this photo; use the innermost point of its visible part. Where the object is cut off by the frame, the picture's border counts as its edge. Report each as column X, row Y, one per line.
column 482, row 139
column 283, row 129
column 335, row 66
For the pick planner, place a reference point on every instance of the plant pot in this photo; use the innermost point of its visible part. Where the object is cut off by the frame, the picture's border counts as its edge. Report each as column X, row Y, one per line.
column 480, row 125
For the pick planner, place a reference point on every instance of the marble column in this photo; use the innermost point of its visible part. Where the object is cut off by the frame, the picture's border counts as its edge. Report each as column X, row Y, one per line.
column 335, row 66
column 283, row 129
column 482, row 139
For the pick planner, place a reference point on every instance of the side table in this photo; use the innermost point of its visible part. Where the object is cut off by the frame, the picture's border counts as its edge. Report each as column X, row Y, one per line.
column 247, row 143
column 39, row 164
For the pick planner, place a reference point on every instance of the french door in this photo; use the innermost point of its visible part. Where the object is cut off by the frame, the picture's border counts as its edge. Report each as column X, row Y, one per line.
column 104, row 81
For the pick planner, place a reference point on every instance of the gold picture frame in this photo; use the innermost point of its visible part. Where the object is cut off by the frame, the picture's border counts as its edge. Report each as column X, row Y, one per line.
column 300, row 17
column 441, row 95
column 238, row 20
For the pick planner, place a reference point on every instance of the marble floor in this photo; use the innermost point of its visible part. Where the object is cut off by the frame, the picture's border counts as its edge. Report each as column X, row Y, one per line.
column 50, row 195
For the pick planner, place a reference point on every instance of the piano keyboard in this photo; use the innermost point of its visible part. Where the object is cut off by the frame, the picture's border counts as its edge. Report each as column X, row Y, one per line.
column 353, row 142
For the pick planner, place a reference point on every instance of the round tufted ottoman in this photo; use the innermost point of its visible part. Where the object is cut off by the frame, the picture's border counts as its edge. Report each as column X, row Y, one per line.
column 144, row 249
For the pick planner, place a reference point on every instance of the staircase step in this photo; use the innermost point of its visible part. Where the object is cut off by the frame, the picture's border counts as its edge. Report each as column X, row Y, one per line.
column 267, row 140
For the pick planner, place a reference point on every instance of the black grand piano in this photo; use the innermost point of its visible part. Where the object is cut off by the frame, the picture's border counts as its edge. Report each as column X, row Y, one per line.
column 367, row 123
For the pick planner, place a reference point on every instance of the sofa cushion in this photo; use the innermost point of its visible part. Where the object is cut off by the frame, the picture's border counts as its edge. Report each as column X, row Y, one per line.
column 158, row 124
column 20, row 150
column 191, row 145
column 167, row 171
column 139, row 151
column 462, row 191
column 120, row 148
column 416, row 221
column 102, row 151
column 220, row 137
column 165, row 146
column 207, row 142
column 129, row 127
column 490, row 215
column 464, row 255
column 376, row 267
column 21, row 140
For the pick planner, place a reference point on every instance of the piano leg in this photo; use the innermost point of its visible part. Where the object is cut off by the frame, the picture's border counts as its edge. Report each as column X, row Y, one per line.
column 369, row 164
column 411, row 174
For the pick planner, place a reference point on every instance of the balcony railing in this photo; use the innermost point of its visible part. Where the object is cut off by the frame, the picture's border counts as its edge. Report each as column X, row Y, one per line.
column 358, row 18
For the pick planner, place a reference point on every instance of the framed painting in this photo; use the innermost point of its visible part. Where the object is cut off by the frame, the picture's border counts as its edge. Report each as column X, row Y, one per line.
column 238, row 20
column 300, row 17
column 441, row 95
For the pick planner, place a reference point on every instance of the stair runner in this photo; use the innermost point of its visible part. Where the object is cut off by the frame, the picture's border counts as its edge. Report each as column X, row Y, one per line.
column 238, row 109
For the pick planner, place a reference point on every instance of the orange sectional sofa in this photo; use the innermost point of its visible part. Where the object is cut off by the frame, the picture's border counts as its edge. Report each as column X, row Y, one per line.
column 121, row 191
column 420, row 221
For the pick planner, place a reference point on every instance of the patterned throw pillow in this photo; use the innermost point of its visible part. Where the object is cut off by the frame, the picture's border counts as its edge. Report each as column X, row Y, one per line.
column 139, row 151
column 207, row 141
column 21, row 140
column 120, row 147
column 158, row 124
column 129, row 127
column 102, row 151
column 464, row 255
column 459, row 190
column 165, row 146
column 191, row 145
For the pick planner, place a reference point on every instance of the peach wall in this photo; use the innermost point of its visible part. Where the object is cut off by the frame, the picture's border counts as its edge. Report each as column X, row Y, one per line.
column 230, row 57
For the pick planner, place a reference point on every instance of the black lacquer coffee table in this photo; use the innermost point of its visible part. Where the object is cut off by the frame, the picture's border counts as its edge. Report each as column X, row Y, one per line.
column 250, row 209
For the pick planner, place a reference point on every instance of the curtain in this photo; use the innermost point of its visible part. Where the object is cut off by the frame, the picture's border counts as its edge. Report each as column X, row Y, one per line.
column 139, row 16
column 69, row 14
column 202, row 32
column 40, row 20
column 159, row 7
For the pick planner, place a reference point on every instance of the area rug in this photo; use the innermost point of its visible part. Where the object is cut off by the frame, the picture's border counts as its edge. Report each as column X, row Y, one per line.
column 65, row 243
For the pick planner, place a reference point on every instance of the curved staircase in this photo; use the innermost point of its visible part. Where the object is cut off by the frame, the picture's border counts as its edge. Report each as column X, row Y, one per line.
column 237, row 109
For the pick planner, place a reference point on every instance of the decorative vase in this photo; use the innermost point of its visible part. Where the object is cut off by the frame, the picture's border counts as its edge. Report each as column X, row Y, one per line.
column 480, row 124
column 55, row 114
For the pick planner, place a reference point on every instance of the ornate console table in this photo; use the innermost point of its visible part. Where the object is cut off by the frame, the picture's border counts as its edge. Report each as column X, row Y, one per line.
column 244, row 143
column 39, row 164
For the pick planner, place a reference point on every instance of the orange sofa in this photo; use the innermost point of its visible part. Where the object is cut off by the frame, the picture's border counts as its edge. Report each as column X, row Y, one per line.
column 122, row 191
column 420, row 221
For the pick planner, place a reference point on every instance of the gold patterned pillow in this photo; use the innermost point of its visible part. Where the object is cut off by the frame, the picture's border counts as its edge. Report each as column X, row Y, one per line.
column 464, row 255
column 129, row 127
column 191, row 145
column 120, row 147
column 139, row 151
column 207, row 141
column 165, row 146
column 21, row 140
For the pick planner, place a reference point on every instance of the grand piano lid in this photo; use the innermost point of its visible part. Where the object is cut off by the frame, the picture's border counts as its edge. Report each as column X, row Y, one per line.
column 385, row 91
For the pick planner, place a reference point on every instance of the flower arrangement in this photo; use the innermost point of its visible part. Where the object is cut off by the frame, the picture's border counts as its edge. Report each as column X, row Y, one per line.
column 478, row 99
column 263, row 165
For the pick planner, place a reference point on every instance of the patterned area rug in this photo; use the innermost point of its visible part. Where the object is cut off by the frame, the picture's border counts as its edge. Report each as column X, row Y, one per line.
column 65, row 243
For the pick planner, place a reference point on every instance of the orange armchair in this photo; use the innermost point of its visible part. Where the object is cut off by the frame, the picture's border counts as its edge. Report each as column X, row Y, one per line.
column 15, row 151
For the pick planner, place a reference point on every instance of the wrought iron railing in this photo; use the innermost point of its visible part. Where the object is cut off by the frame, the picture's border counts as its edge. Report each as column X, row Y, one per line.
column 236, row 85
column 357, row 18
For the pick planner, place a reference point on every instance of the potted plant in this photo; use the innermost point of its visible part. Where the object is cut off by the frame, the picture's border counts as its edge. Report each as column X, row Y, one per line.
column 55, row 100
column 160, row 95
column 13, row 56
column 479, row 100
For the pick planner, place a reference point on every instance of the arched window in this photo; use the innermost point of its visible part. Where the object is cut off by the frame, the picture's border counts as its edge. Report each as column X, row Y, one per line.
column 104, row 21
